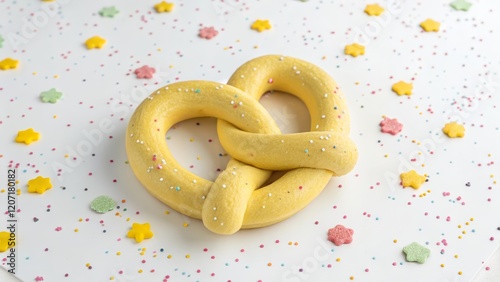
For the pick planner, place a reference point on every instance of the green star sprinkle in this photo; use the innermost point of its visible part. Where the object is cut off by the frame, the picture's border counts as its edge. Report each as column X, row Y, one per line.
column 51, row 96
column 109, row 12
column 103, row 204
column 1, row 41
column 416, row 252
column 460, row 5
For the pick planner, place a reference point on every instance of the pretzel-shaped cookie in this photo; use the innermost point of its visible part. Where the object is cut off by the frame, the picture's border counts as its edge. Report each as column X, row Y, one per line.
column 248, row 133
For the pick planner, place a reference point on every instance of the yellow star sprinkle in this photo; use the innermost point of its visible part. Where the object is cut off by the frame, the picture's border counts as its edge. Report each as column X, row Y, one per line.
column 402, row 88
column 454, row 130
column 261, row 25
column 354, row 49
column 140, row 232
column 430, row 25
column 4, row 241
column 374, row 10
column 412, row 179
column 27, row 136
column 39, row 185
column 95, row 42
column 163, row 7
column 8, row 63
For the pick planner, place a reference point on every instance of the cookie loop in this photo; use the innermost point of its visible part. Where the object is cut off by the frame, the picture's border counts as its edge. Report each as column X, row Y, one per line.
column 249, row 134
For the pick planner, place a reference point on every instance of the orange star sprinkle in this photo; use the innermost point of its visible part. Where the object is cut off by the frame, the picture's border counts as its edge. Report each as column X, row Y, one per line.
column 454, row 130
column 430, row 25
column 27, row 136
column 354, row 49
column 95, row 42
column 39, row 185
column 163, row 7
column 140, row 232
column 412, row 179
column 402, row 88
column 261, row 25
column 374, row 10
column 8, row 63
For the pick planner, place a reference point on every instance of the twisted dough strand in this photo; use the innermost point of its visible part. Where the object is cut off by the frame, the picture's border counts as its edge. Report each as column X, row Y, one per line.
column 248, row 133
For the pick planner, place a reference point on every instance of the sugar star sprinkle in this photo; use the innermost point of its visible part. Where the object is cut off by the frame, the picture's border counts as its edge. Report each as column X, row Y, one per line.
column 402, row 88
column 430, row 25
column 412, row 179
column 1, row 41
column 340, row 235
column 391, row 126
column 27, row 136
column 140, row 232
column 39, row 185
column 145, row 72
column 461, row 5
column 354, row 49
column 8, row 64
column 108, row 12
column 4, row 241
column 51, row 96
column 95, row 42
column 261, row 25
column 374, row 10
column 208, row 32
column 416, row 252
column 164, row 7
column 454, row 130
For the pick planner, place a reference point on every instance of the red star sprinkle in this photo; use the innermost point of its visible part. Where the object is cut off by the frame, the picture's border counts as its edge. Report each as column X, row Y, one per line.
column 340, row 235
column 208, row 32
column 391, row 126
column 145, row 72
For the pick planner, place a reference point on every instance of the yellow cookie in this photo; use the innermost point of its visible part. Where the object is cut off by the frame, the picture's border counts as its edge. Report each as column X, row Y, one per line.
column 248, row 133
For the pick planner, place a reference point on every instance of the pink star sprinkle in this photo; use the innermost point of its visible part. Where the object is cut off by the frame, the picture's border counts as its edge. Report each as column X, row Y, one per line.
column 208, row 32
column 145, row 72
column 340, row 235
column 38, row 278
column 391, row 126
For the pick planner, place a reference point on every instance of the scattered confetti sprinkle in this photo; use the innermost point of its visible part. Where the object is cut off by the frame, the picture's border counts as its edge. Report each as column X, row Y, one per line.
column 430, row 25
column 402, row 88
column 354, row 49
column 8, row 64
column 391, row 126
column 261, row 25
column 454, row 130
column 164, row 7
column 51, row 96
column 374, row 10
column 82, row 135
column 208, row 32
column 103, row 204
column 140, row 232
column 27, row 136
column 412, row 179
column 340, row 235
column 39, row 185
column 416, row 252
column 95, row 42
